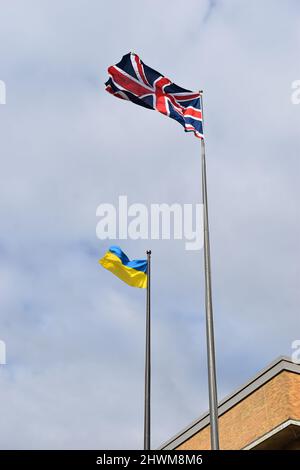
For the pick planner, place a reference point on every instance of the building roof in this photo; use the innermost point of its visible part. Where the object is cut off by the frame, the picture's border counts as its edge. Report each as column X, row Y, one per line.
column 282, row 363
column 285, row 433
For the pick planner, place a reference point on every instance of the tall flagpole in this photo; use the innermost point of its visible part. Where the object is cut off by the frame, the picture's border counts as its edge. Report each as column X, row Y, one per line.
column 211, row 361
column 147, row 409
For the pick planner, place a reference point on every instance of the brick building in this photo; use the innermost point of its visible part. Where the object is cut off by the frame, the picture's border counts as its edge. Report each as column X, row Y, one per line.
column 262, row 414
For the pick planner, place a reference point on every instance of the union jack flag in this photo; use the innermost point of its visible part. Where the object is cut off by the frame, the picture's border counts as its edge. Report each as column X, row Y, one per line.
column 134, row 81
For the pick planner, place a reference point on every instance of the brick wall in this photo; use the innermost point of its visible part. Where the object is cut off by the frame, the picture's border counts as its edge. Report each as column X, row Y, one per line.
column 259, row 413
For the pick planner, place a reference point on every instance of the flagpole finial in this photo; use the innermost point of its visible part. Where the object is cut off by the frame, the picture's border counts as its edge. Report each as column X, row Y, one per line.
column 201, row 92
column 148, row 252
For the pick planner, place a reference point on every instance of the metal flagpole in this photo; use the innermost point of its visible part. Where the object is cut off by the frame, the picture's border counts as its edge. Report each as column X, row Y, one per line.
column 147, row 410
column 211, row 362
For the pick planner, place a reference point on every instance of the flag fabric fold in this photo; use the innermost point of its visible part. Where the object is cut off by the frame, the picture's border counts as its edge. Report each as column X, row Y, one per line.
column 132, row 80
column 134, row 272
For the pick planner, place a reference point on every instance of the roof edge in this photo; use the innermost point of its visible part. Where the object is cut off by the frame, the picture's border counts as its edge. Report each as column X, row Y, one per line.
column 271, row 370
column 273, row 432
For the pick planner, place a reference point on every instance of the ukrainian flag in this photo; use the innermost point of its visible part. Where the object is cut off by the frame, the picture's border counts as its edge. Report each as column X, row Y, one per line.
column 134, row 272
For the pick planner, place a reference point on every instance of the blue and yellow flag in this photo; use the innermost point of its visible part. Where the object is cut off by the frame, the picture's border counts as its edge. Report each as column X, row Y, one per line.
column 134, row 272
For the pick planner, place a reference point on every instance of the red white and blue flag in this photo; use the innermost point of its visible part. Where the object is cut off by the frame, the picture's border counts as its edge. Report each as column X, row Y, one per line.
column 134, row 81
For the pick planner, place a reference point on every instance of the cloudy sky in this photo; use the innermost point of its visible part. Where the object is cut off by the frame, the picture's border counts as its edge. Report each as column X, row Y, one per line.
column 74, row 333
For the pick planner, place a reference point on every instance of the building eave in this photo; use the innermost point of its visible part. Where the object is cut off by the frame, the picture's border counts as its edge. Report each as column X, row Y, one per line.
column 282, row 363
